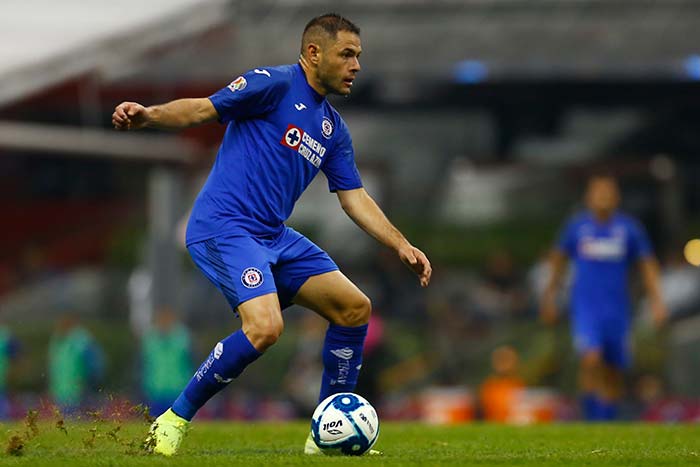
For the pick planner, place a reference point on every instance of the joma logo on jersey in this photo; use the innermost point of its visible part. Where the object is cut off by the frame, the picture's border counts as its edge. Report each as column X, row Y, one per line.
column 310, row 149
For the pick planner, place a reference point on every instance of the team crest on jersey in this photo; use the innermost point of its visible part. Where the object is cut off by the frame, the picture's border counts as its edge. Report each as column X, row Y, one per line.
column 292, row 138
column 327, row 128
column 238, row 84
column 303, row 143
column 252, row 278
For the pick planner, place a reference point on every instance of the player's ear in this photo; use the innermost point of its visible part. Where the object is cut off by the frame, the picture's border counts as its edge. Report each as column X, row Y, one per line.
column 314, row 52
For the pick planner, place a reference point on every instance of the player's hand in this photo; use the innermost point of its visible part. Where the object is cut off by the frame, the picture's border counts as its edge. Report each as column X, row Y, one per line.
column 129, row 116
column 659, row 313
column 417, row 262
column 548, row 311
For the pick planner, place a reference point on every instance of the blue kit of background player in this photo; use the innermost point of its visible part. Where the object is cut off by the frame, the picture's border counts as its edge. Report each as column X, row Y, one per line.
column 603, row 244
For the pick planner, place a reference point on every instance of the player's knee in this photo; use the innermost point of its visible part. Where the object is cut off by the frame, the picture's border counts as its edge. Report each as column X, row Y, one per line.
column 591, row 361
column 357, row 312
column 264, row 335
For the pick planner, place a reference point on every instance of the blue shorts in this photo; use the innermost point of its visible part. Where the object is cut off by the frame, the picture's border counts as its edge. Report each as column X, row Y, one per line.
column 608, row 336
column 245, row 267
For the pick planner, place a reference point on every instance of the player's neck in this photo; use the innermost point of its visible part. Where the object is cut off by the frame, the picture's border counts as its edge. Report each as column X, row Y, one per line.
column 311, row 78
column 603, row 217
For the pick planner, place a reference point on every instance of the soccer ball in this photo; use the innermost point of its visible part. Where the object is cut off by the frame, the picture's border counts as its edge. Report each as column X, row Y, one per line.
column 345, row 423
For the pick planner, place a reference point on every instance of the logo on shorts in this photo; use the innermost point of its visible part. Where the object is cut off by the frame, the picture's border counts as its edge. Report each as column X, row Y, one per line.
column 238, row 84
column 326, row 128
column 252, row 278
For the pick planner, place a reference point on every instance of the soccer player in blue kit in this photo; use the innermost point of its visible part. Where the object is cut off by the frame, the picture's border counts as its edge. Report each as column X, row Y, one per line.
column 280, row 132
column 602, row 243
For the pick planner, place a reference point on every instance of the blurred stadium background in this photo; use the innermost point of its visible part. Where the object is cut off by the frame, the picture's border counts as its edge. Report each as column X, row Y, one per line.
column 475, row 124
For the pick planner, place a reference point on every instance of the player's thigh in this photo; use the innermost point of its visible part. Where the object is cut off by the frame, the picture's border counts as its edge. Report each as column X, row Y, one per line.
column 238, row 266
column 298, row 259
column 617, row 352
column 588, row 340
column 335, row 297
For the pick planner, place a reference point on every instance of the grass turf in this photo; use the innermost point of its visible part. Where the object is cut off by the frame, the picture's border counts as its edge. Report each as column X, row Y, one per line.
column 104, row 443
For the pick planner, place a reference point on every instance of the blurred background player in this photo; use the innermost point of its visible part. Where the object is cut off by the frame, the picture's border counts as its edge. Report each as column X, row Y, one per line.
column 603, row 243
column 280, row 132
column 76, row 364
column 167, row 360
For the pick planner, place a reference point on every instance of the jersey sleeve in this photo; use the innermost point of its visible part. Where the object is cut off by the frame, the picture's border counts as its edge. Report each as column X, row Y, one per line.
column 254, row 93
column 339, row 167
column 566, row 243
column 639, row 244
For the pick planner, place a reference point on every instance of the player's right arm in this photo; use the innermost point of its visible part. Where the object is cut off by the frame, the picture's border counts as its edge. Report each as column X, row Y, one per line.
column 548, row 303
column 180, row 113
column 565, row 248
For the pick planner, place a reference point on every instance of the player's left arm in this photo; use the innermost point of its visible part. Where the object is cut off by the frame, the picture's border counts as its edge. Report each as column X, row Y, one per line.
column 649, row 268
column 640, row 248
column 365, row 212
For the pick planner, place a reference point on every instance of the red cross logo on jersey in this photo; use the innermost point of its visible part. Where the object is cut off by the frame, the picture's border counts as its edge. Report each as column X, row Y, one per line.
column 292, row 137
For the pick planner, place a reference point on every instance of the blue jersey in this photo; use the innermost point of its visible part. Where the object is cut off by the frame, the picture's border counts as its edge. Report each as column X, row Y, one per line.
column 280, row 134
column 602, row 254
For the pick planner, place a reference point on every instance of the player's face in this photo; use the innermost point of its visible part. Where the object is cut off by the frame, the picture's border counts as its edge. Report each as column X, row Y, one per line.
column 602, row 196
column 339, row 63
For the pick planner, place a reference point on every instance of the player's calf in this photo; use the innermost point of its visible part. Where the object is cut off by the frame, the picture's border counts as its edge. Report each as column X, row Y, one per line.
column 228, row 359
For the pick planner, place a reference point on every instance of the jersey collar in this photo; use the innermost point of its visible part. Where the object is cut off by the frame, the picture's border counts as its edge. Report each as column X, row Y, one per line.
column 613, row 217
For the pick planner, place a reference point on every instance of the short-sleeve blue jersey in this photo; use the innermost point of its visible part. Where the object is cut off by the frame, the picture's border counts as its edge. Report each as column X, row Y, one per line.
column 280, row 133
column 602, row 254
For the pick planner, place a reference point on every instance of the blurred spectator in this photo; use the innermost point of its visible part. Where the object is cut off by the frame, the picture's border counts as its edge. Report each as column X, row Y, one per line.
column 450, row 328
column 497, row 393
column 302, row 380
column 392, row 289
column 679, row 283
column 374, row 359
column 167, row 360
column 539, row 274
column 500, row 290
column 657, row 406
column 9, row 347
column 76, row 363
column 603, row 244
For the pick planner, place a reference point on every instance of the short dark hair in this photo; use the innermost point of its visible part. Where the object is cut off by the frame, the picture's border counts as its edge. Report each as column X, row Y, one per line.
column 330, row 23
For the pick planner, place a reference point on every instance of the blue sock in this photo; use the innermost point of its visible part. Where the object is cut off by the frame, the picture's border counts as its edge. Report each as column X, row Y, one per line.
column 590, row 406
column 342, row 359
column 225, row 362
column 607, row 410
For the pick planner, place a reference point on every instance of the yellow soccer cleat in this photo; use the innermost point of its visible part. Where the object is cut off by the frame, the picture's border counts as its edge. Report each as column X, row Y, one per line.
column 166, row 434
column 311, row 448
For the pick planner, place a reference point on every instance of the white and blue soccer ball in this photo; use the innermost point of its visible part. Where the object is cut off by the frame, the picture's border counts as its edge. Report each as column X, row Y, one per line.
column 345, row 424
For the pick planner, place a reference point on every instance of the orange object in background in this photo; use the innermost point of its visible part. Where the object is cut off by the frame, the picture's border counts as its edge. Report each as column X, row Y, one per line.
column 533, row 405
column 447, row 405
column 497, row 395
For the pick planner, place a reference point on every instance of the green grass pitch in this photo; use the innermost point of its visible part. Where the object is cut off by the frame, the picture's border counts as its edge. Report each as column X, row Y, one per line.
column 106, row 443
